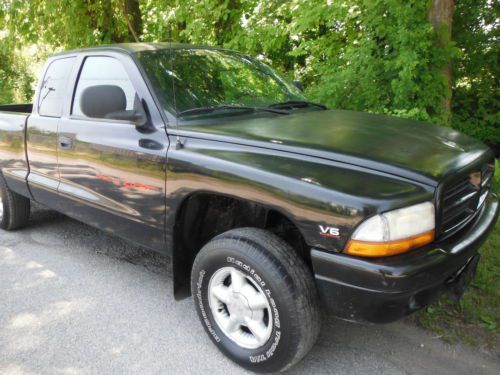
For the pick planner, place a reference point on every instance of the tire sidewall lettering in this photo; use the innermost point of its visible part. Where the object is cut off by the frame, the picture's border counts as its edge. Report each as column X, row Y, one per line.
column 274, row 310
column 201, row 306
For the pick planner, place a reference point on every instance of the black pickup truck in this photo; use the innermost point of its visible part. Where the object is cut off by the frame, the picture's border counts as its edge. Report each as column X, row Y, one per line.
column 270, row 205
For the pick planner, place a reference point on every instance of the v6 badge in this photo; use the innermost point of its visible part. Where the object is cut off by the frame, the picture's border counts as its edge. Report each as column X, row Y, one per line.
column 329, row 231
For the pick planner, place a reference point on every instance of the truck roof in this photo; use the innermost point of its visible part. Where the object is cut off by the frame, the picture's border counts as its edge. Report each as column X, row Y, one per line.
column 132, row 48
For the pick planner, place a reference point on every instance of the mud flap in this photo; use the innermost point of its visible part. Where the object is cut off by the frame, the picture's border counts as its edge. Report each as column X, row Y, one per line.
column 458, row 283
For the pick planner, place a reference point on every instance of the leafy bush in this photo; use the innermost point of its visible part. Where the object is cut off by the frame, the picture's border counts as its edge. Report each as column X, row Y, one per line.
column 381, row 56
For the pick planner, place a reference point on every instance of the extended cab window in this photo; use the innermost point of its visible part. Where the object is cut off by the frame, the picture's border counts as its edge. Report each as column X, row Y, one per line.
column 106, row 76
column 53, row 89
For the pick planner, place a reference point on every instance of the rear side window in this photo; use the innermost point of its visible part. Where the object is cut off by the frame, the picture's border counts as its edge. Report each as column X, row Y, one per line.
column 103, row 71
column 54, row 84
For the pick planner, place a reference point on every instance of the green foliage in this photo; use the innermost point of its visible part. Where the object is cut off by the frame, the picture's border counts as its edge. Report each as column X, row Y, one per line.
column 476, row 86
column 380, row 56
column 15, row 79
column 65, row 24
column 383, row 60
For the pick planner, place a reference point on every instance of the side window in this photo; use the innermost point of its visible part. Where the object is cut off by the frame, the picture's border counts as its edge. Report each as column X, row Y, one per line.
column 103, row 76
column 53, row 90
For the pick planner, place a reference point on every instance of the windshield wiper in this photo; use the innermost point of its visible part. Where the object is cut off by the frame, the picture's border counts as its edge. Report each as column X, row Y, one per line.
column 200, row 110
column 297, row 104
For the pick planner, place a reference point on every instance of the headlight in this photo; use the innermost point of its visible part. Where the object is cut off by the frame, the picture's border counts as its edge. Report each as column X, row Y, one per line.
column 394, row 232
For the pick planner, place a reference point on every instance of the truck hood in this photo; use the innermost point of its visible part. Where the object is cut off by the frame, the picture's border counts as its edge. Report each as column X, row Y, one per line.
column 403, row 147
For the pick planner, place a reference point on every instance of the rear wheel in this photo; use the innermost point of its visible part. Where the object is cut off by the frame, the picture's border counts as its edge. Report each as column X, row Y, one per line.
column 256, row 299
column 14, row 208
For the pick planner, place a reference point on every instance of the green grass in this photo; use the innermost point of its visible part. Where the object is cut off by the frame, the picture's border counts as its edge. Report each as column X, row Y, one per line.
column 475, row 319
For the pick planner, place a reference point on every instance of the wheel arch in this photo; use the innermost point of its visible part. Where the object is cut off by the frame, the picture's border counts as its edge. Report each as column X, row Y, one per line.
column 192, row 229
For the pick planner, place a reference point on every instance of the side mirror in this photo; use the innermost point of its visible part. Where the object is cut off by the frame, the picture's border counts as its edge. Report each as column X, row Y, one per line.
column 137, row 116
column 110, row 102
column 299, row 85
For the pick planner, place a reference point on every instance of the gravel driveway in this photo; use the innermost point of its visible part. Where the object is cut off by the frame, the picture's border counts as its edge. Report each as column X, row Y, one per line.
column 76, row 301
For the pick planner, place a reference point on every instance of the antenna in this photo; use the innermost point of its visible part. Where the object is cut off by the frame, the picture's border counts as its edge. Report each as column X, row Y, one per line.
column 178, row 143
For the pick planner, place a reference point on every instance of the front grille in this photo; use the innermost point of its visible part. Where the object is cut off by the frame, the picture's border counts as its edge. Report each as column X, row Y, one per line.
column 463, row 198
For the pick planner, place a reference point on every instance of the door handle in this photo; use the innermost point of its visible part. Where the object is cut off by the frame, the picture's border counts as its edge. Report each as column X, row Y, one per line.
column 65, row 143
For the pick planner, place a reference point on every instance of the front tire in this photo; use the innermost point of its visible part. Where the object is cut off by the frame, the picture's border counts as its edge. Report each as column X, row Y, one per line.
column 256, row 299
column 14, row 208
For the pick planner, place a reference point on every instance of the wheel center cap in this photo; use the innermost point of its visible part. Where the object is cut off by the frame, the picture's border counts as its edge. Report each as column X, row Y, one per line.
column 239, row 306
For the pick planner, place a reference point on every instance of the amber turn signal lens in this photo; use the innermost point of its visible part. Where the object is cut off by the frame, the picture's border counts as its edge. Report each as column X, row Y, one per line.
column 384, row 249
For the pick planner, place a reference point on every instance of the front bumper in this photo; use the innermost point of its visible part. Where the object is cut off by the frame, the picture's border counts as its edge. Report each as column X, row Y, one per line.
column 386, row 289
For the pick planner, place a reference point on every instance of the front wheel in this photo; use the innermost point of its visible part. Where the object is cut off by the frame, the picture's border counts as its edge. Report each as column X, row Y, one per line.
column 256, row 299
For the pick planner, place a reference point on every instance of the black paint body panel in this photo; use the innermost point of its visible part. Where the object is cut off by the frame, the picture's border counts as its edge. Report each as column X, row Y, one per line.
column 308, row 191
column 330, row 168
column 384, row 290
column 13, row 162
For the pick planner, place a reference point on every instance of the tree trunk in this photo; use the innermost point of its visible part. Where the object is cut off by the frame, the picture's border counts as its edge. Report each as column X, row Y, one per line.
column 441, row 16
column 101, row 19
column 134, row 18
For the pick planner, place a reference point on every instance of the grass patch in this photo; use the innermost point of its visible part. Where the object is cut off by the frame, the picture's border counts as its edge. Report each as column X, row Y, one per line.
column 475, row 319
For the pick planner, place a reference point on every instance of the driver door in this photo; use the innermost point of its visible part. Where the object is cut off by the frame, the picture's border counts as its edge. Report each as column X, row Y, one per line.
column 112, row 172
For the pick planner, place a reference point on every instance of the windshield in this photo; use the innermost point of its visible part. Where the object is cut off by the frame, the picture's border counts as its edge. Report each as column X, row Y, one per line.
column 212, row 78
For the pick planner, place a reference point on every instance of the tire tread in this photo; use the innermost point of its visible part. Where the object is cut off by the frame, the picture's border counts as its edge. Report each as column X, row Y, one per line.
column 16, row 208
column 296, row 276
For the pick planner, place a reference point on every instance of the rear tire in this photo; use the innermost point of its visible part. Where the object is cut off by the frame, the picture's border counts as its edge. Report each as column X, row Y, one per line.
column 256, row 299
column 14, row 208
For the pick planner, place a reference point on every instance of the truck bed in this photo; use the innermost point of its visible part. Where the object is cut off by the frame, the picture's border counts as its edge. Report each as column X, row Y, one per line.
column 20, row 108
column 13, row 161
